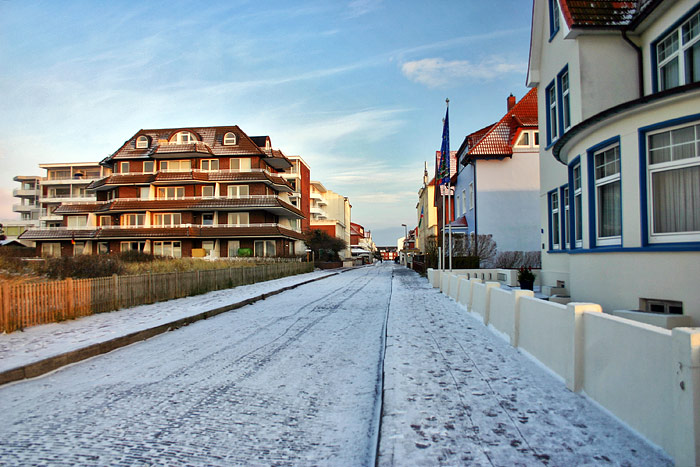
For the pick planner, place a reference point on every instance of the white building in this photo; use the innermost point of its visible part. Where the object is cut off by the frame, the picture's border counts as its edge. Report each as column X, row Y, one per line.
column 619, row 106
column 330, row 212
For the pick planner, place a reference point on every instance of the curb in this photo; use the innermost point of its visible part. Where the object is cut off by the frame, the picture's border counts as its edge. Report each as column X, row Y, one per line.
column 41, row 367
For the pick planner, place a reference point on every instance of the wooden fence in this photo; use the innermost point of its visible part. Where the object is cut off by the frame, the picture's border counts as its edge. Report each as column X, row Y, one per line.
column 26, row 305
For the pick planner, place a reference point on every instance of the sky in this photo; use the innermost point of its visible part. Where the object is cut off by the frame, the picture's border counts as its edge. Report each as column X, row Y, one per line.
column 356, row 88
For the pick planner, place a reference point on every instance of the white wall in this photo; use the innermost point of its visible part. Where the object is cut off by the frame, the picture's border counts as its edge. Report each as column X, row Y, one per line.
column 507, row 201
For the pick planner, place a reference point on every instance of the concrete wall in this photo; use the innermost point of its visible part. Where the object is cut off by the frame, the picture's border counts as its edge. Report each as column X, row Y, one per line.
column 647, row 376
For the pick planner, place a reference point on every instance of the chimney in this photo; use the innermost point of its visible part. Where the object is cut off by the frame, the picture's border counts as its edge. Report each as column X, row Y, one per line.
column 511, row 102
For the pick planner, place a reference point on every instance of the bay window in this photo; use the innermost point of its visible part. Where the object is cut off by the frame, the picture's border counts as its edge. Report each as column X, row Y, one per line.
column 673, row 166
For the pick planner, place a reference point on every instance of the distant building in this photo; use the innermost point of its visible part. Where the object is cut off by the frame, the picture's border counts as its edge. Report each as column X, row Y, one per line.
column 427, row 215
column 498, row 179
column 330, row 213
column 174, row 192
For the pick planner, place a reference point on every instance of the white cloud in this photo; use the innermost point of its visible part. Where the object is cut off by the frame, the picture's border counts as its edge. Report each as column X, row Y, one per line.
column 361, row 7
column 436, row 72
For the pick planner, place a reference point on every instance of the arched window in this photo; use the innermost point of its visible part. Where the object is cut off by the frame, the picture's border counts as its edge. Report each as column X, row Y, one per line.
column 142, row 142
column 183, row 137
column 229, row 139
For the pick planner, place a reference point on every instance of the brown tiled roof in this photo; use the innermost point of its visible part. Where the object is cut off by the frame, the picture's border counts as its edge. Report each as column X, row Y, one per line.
column 193, row 175
column 498, row 139
column 51, row 234
column 607, row 14
column 210, row 142
column 199, row 204
column 80, row 208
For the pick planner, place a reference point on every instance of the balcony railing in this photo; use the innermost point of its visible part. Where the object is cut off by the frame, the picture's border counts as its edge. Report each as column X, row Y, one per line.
column 17, row 192
column 25, row 207
column 184, row 198
column 170, row 226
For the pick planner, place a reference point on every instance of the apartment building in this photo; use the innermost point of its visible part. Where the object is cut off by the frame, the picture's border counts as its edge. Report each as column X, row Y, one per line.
column 330, row 212
column 180, row 192
column 299, row 177
column 28, row 195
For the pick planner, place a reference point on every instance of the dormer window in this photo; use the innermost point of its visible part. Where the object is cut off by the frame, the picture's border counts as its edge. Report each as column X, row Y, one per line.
column 229, row 139
column 142, row 142
column 183, row 137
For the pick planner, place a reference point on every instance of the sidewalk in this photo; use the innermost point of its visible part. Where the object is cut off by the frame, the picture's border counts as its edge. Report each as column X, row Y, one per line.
column 455, row 393
column 40, row 349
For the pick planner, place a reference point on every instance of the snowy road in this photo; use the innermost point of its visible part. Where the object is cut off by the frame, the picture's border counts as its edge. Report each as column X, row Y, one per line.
column 296, row 380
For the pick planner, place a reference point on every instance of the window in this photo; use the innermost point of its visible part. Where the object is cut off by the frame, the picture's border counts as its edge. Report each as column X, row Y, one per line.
column 208, row 191
column 578, row 206
column 208, row 246
column 79, row 249
column 566, row 222
column 148, row 166
column 471, row 196
column 133, row 219
column 565, row 101
column 144, row 192
column 171, row 192
column 464, row 202
column 238, row 218
column 553, row 17
column 240, row 164
column 105, row 220
column 555, row 233
column 608, row 217
column 173, row 249
column 176, row 166
column 238, row 191
column 208, row 218
column 142, row 142
column 183, row 137
column 233, row 247
column 76, row 221
column 678, row 55
column 167, row 219
column 210, row 164
column 524, row 139
column 102, row 248
column 551, row 113
column 51, row 250
column 264, row 248
column 132, row 246
column 673, row 166
column 229, row 139
column 124, row 167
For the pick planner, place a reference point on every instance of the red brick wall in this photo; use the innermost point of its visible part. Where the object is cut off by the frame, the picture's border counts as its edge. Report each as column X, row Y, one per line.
column 128, row 192
column 305, row 202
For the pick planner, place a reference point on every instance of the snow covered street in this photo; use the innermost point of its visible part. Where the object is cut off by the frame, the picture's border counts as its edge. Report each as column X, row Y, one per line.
column 296, row 379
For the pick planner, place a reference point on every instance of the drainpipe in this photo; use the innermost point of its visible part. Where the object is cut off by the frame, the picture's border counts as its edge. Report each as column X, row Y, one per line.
column 640, row 63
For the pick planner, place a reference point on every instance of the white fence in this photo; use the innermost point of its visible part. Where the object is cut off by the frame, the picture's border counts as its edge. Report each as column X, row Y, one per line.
column 647, row 376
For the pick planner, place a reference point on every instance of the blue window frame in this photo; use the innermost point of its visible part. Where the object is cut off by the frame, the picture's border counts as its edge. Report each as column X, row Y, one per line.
column 605, row 193
column 576, row 204
column 564, row 99
column 552, row 114
column 675, row 54
column 553, row 18
column 554, row 220
column 565, row 217
column 669, row 172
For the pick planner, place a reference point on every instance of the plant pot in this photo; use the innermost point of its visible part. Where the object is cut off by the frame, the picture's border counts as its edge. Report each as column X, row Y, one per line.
column 527, row 285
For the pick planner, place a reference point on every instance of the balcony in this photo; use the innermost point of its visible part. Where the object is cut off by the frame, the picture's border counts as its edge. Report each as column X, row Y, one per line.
column 316, row 196
column 25, row 193
column 69, row 198
column 68, row 181
column 25, row 207
column 318, row 213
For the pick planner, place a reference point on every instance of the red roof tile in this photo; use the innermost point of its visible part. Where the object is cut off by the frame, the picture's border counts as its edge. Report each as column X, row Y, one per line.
column 498, row 139
column 608, row 14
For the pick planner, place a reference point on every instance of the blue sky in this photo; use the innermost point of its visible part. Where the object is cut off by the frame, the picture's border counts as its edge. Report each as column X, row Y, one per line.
column 356, row 88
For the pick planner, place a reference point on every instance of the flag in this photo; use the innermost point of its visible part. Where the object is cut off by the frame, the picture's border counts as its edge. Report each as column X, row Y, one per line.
column 444, row 168
column 420, row 221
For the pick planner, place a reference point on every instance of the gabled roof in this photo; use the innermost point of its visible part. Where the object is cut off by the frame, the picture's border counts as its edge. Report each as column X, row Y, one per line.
column 498, row 139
